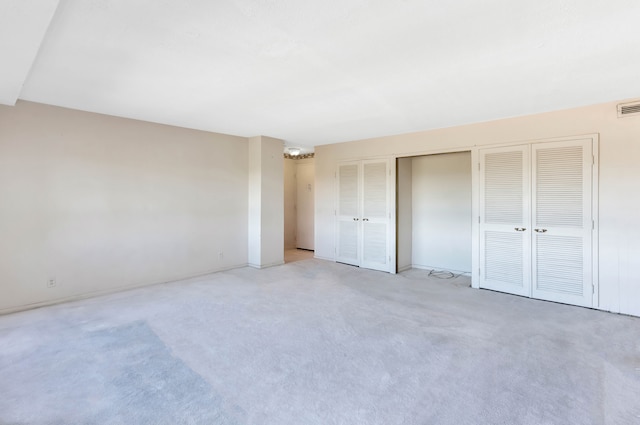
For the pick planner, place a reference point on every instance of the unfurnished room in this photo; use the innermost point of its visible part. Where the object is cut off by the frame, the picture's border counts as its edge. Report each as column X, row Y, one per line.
column 273, row 212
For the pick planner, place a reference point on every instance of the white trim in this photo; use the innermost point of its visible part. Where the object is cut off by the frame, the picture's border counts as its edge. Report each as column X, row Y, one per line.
column 392, row 244
column 265, row 266
column 437, row 151
column 595, row 208
column 320, row 257
column 545, row 140
column 422, row 267
column 475, row 215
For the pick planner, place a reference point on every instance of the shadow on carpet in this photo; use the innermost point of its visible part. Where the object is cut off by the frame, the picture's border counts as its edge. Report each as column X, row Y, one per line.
column 120, row 375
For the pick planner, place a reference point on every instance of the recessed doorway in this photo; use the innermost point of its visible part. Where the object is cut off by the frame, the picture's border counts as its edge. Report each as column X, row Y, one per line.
column 299, row 208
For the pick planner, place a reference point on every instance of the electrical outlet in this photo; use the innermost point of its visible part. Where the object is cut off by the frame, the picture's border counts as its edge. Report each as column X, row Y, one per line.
column 221, row 255
column 51, row 282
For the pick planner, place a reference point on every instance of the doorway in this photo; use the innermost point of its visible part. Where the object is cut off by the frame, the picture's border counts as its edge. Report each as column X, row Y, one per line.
column 305, row 195
column 299, row 207
column 434, row 212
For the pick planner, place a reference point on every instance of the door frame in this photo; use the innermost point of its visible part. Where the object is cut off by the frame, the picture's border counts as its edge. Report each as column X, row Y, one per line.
column 595, row 142
column 472, row 156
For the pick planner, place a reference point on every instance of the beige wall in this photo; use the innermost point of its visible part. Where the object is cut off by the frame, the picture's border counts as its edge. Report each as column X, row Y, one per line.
column 272, row 203
column 266, row 202
column 619, row 246
column 290, row 216
column 103, row 203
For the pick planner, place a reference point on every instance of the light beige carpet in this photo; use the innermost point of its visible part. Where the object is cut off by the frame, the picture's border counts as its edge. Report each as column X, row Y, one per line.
column 313, row 342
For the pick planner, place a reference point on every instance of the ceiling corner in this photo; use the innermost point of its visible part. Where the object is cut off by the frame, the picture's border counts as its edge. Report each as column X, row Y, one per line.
column 23, row 27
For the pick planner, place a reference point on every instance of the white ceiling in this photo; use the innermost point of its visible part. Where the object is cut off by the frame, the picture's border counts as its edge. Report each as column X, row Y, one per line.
column 317, row 72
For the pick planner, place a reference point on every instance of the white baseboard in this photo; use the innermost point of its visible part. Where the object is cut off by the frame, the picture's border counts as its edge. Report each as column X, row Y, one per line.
column 422, row 267
column 320, row 257
column 109, row 291
column 264, row 266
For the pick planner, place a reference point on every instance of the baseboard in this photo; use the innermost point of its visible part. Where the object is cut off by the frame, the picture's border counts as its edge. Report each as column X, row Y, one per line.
column 320, row 257
column 264, row 266
column 404, row 268
column 421, row 267
column 124, row 288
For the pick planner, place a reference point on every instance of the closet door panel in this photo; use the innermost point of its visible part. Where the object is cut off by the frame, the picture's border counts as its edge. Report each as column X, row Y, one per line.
column 374, row 245
column 375, row 214
column 504, row 220
column 348, row 213
column 562, row 222
column 375, row 193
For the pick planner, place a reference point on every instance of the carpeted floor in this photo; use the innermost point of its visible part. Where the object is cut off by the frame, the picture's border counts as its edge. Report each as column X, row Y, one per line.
column 313, row 342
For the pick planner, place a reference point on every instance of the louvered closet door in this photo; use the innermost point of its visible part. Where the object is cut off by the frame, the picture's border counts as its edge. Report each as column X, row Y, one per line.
column 375, row 214
column 348, row 213
column 562, row 222
column 504, row 220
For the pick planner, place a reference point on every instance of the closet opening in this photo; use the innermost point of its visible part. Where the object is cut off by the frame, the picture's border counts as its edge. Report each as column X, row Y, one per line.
column 434, row 213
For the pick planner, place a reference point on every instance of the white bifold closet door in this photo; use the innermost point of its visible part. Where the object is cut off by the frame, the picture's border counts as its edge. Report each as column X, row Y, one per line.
column 562, row 222
column 363, row 215
column 348, row 213
column 505, row 237
column 536, row 221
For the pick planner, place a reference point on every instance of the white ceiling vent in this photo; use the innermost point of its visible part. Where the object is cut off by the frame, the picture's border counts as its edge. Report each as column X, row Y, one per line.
column 628, row 109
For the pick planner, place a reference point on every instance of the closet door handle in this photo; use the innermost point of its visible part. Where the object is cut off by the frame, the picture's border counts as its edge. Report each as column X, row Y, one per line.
column 520, row 229
column 540, row 230
column 365, row 219
column 355, row 219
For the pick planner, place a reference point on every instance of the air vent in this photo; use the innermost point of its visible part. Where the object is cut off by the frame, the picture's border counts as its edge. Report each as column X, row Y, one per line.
column 628, row 109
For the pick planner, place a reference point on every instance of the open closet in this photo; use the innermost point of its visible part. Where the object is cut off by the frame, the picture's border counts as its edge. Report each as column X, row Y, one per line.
column 434, row 212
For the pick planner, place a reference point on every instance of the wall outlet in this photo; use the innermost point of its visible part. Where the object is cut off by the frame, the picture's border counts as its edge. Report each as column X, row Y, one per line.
column 221, row 255
column 51, row 282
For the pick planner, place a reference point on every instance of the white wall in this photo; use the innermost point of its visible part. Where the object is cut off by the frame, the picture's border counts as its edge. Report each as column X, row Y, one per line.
column 104, row 203
column 290, row 216
column 254, row 223
column 619, row 236
column 442, row 211
column 404, row 213
column 266, row 202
